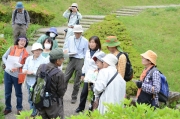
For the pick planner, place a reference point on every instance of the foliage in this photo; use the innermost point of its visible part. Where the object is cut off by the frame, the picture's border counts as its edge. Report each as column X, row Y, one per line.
column 127, row 111
column 159, row 33
column 111, row 26
column 131, row 89
column 38, row 14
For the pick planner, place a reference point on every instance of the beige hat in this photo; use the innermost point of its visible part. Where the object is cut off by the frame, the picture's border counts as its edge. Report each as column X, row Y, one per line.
column 110, row 59
column 150, row 55
column 74, row 4
column 78, row 29
column 36, row 46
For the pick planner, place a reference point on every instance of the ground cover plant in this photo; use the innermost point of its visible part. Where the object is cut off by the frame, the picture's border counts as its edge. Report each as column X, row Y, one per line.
column 158, row 30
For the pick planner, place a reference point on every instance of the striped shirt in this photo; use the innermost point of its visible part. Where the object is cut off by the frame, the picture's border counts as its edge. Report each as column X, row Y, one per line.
column 20, row 18
column 155, row 82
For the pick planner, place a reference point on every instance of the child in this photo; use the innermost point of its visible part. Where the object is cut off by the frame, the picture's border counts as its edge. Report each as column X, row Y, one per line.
column 89, row 64
column 30, row 68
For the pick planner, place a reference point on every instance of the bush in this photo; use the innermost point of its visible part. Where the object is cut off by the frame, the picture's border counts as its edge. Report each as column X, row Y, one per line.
column 130, row 112
column 38, row 14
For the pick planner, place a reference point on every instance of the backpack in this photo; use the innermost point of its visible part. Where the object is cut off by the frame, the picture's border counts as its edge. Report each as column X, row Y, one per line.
column 164, row 88
column 129, row 70
column 41, row 93
column 25, row 15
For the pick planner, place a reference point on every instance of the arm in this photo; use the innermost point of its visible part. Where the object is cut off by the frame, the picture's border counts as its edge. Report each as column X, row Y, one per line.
column 25, row 67
column 28, row 19
column 66, row 14
column 61, row 85
column 155, row 87
column 41, row 38
column 13, row 17
column 79, row 15
column 122, row 65
column 5, row 56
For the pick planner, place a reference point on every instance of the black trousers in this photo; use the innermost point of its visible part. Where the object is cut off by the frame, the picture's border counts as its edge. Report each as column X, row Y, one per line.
column 83, row 96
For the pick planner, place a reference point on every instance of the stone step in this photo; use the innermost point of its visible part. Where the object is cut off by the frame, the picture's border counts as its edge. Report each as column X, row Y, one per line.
column 125, row 12
column 130, row 9
column 86, row 23
column 40, row 34
column 90, row 20
column 85, row 26
column 94, row 17
column 124, row 15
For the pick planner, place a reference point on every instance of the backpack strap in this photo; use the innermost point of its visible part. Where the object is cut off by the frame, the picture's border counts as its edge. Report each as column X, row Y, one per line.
column 69, row 16
column 43, row 71
column 153, row 69
column 15, row 13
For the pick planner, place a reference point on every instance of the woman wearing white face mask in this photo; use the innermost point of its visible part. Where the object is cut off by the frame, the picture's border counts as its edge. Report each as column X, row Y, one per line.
column 47, row 47
column 52, row 33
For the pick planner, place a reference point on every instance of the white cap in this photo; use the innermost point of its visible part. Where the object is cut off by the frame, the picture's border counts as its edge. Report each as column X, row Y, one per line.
column 75, row 4
column 36, row 46
column 110, row 59
column 78, row 29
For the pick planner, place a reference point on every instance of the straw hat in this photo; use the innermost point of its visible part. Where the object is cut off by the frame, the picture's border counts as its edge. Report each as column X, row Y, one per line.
column 112, row 41
column 78, row 29
column 150, row 55
column 110, row 59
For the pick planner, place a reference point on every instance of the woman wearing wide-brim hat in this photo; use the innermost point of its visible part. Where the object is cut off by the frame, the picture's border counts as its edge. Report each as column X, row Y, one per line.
column 149, row 83
column 113, row 45
column 73, row 16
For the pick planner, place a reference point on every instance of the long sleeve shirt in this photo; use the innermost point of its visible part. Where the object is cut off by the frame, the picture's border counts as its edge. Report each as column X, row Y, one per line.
column 78, row 46
column 150, row 82
column 20, row 18
column 73, row 18
column 32, row 64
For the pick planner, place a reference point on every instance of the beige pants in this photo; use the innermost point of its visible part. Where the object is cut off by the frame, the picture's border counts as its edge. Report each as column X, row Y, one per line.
column 18, row 30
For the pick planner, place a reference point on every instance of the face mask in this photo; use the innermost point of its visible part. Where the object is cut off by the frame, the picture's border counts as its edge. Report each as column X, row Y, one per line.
column 47, row 46
column 52, row 35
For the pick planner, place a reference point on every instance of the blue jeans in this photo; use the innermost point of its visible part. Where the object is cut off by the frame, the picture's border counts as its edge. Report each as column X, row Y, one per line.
column 30, row 102
column 8, row 82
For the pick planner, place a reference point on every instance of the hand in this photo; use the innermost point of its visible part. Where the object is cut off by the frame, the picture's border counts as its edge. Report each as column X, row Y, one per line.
column 65, row 51
column 25, row 72
column 82, row 78
column 139, row 84
column 14, row 69
column 70, row 8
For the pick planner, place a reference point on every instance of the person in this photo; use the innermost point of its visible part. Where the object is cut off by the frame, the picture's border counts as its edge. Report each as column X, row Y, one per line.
column 73, row 16
column 57, row 86
column 52, row 33
column 30, row 68
column 47, row 47
column 20, row 21
column 148, row 89
column 13, row 74
column 89, row 64
column 112, row 44
column 116, row 88
column 77, row 47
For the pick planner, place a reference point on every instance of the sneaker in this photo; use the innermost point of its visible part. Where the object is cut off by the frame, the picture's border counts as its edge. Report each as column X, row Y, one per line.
column 6, row 112
column 18, row 112
column 79, row 110
column 73, row 101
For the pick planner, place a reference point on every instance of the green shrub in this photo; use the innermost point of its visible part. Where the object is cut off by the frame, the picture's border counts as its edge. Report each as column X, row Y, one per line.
column 130, row 112
column 4, row 13
column 131, row 89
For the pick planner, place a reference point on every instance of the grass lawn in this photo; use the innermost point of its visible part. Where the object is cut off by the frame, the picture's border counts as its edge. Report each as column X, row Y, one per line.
column 159, row 30
column 97, row 7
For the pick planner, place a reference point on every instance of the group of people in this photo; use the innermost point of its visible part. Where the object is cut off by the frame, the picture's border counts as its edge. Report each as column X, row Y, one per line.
column 103, row 73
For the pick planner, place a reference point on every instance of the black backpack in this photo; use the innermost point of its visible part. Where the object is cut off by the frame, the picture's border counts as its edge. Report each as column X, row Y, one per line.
column 129, row 70
column 41, row 95
column 25, row 15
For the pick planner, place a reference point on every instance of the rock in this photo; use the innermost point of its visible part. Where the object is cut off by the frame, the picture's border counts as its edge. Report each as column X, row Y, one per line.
column 173, row 96
column 178, row 106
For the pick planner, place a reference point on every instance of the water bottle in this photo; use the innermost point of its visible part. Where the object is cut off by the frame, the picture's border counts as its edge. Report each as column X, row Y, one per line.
column 46, row 101
column 47, row 94
column 31, row 89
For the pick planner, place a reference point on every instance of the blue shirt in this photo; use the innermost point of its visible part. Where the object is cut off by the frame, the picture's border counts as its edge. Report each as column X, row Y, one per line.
column 78, row 46
column 32, row 64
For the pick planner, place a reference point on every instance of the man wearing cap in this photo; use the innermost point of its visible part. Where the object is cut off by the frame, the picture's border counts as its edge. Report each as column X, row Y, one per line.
column 112, row 44
column 52, row 33
column 20, row 21
column 115, row 92
column 73, row 16
column 30, row 68
column 77, row 46
column 57, row 86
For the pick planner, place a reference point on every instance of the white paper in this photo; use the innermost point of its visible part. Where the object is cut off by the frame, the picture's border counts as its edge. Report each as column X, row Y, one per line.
column 91, row 76
column 11, row 62
column 72, row 53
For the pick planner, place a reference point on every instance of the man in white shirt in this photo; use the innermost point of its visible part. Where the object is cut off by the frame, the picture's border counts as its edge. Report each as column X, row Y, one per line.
column 77, row 46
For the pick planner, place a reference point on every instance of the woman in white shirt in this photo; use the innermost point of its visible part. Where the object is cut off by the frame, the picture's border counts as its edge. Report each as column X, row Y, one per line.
column 89, row 64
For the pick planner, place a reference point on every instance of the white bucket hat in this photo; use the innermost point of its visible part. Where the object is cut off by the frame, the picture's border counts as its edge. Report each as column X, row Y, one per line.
column 36, row 46
column 110, row 59
column 74, row 4
column 78, row 29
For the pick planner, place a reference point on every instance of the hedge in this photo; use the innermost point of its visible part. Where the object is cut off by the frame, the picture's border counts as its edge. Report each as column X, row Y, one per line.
column 38, row 14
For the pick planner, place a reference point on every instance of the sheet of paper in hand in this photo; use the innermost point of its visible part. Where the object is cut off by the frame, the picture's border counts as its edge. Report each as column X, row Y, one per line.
column 10, row 63
column 91, row 76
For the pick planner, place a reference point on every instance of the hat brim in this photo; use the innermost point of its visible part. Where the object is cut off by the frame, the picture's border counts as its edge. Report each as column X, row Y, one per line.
column 111, row 44
column 36, row 49
column 146, row 57
column 78, row 31
column 19, row 7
